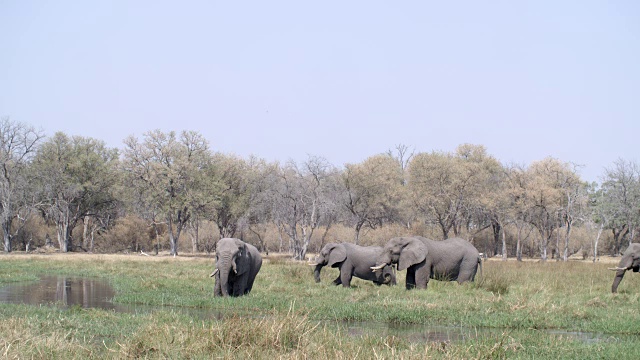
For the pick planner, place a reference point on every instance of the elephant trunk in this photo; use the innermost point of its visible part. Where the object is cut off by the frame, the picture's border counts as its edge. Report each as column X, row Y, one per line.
column 625, row 264
column 224, row 282
column 383, row 260
column 617, row 279
column 316, row 272
column 225, row 266
column 389, row 278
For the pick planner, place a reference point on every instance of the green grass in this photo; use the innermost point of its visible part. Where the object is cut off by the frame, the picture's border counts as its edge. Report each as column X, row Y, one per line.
column 288, row 315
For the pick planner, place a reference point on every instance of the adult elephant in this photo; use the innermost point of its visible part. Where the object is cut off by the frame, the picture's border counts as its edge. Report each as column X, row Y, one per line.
column 353, row 260
column 453, row 259
column 237, row 264
column 630, row 261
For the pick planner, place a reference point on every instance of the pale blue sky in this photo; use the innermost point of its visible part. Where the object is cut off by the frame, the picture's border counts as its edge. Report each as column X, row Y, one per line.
column 341, row 79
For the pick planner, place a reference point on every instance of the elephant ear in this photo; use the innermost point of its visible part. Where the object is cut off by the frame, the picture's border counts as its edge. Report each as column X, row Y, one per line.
column 242, row 259
column 414, row 252
column 337, row 255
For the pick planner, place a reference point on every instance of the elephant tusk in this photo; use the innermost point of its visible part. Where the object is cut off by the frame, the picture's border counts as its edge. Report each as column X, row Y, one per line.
column 374, row 268
column 313, row 264
column 617, row 269
column 214, row 273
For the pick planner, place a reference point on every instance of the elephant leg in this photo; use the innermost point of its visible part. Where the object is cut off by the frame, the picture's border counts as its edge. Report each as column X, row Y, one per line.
column 411, row 278
column 249, row 283
column 467, row 274
column 338, row 280
column 345, row 276
column 240, row 285
column 422, row 275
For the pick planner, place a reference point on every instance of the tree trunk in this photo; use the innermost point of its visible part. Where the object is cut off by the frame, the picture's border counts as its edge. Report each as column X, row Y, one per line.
column 181, row 220
column 85, row 232
column 324, row 235
column 543, row 245
column 173, row 239
column 558, row 244
column 595, row 243
column 6, row 229
column 618, row 235
column 496, row 236
column 504, row 245
column 195, row 238
column 92, row 244
column 565, row 255
column 519, row 244
column 64, row 237
column 358, row 228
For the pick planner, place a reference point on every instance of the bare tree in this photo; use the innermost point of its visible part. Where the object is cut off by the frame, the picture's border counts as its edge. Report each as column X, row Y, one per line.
column 621, row 199
column 18, row 144
column 300, row 201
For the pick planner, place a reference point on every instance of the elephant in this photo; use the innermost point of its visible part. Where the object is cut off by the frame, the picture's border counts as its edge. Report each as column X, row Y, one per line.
column 353, row 260
column 237, row 264
column 630, row 261
column 453, row 259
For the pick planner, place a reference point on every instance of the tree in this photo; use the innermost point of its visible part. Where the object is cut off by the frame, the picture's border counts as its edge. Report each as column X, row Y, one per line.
column 520, row 204
column 372, row 191
column 555, row 193
column 230, row 174
column 168, row 170
column 442, row 186
column 262, row 176
column 621, row 190
column 18, row 144
column 573, row 203
column 596, row 217
column 76, row 175
column 300, row 201
column 485, row 204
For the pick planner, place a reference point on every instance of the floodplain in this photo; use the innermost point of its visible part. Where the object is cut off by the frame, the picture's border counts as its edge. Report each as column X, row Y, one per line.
column 160, row 307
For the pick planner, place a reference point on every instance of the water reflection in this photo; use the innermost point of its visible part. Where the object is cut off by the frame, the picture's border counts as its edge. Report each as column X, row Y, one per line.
column 421, row 333
column 64, row 291
column 417, row 333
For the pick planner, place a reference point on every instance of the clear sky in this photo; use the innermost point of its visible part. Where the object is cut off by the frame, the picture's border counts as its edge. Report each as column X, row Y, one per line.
column 340, row 79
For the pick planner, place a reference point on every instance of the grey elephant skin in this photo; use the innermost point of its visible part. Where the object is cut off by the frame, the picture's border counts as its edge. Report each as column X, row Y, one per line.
column 630, row 261
column 237, row 264
column 353, row 260
column 453, row 259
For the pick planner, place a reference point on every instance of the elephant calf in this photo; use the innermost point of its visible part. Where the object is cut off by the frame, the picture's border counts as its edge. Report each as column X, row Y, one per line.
column 630, row 261
column 353, row 260
column 237, row 264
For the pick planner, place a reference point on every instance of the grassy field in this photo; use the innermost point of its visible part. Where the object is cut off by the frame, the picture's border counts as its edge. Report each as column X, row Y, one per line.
column 516, row 310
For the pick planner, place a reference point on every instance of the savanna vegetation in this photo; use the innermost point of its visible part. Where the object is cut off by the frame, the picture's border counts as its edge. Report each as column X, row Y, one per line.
column 173, row 192
column 529, row 309
column 72, row 206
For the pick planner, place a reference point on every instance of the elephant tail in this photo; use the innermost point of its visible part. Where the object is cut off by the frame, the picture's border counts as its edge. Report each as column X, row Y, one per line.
column 480, row 265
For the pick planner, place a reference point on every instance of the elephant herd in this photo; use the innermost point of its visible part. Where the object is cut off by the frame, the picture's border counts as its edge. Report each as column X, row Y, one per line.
column 455, row 259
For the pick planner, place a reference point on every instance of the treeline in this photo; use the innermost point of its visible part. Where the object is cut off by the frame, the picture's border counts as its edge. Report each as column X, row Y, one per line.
column 74, row 193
